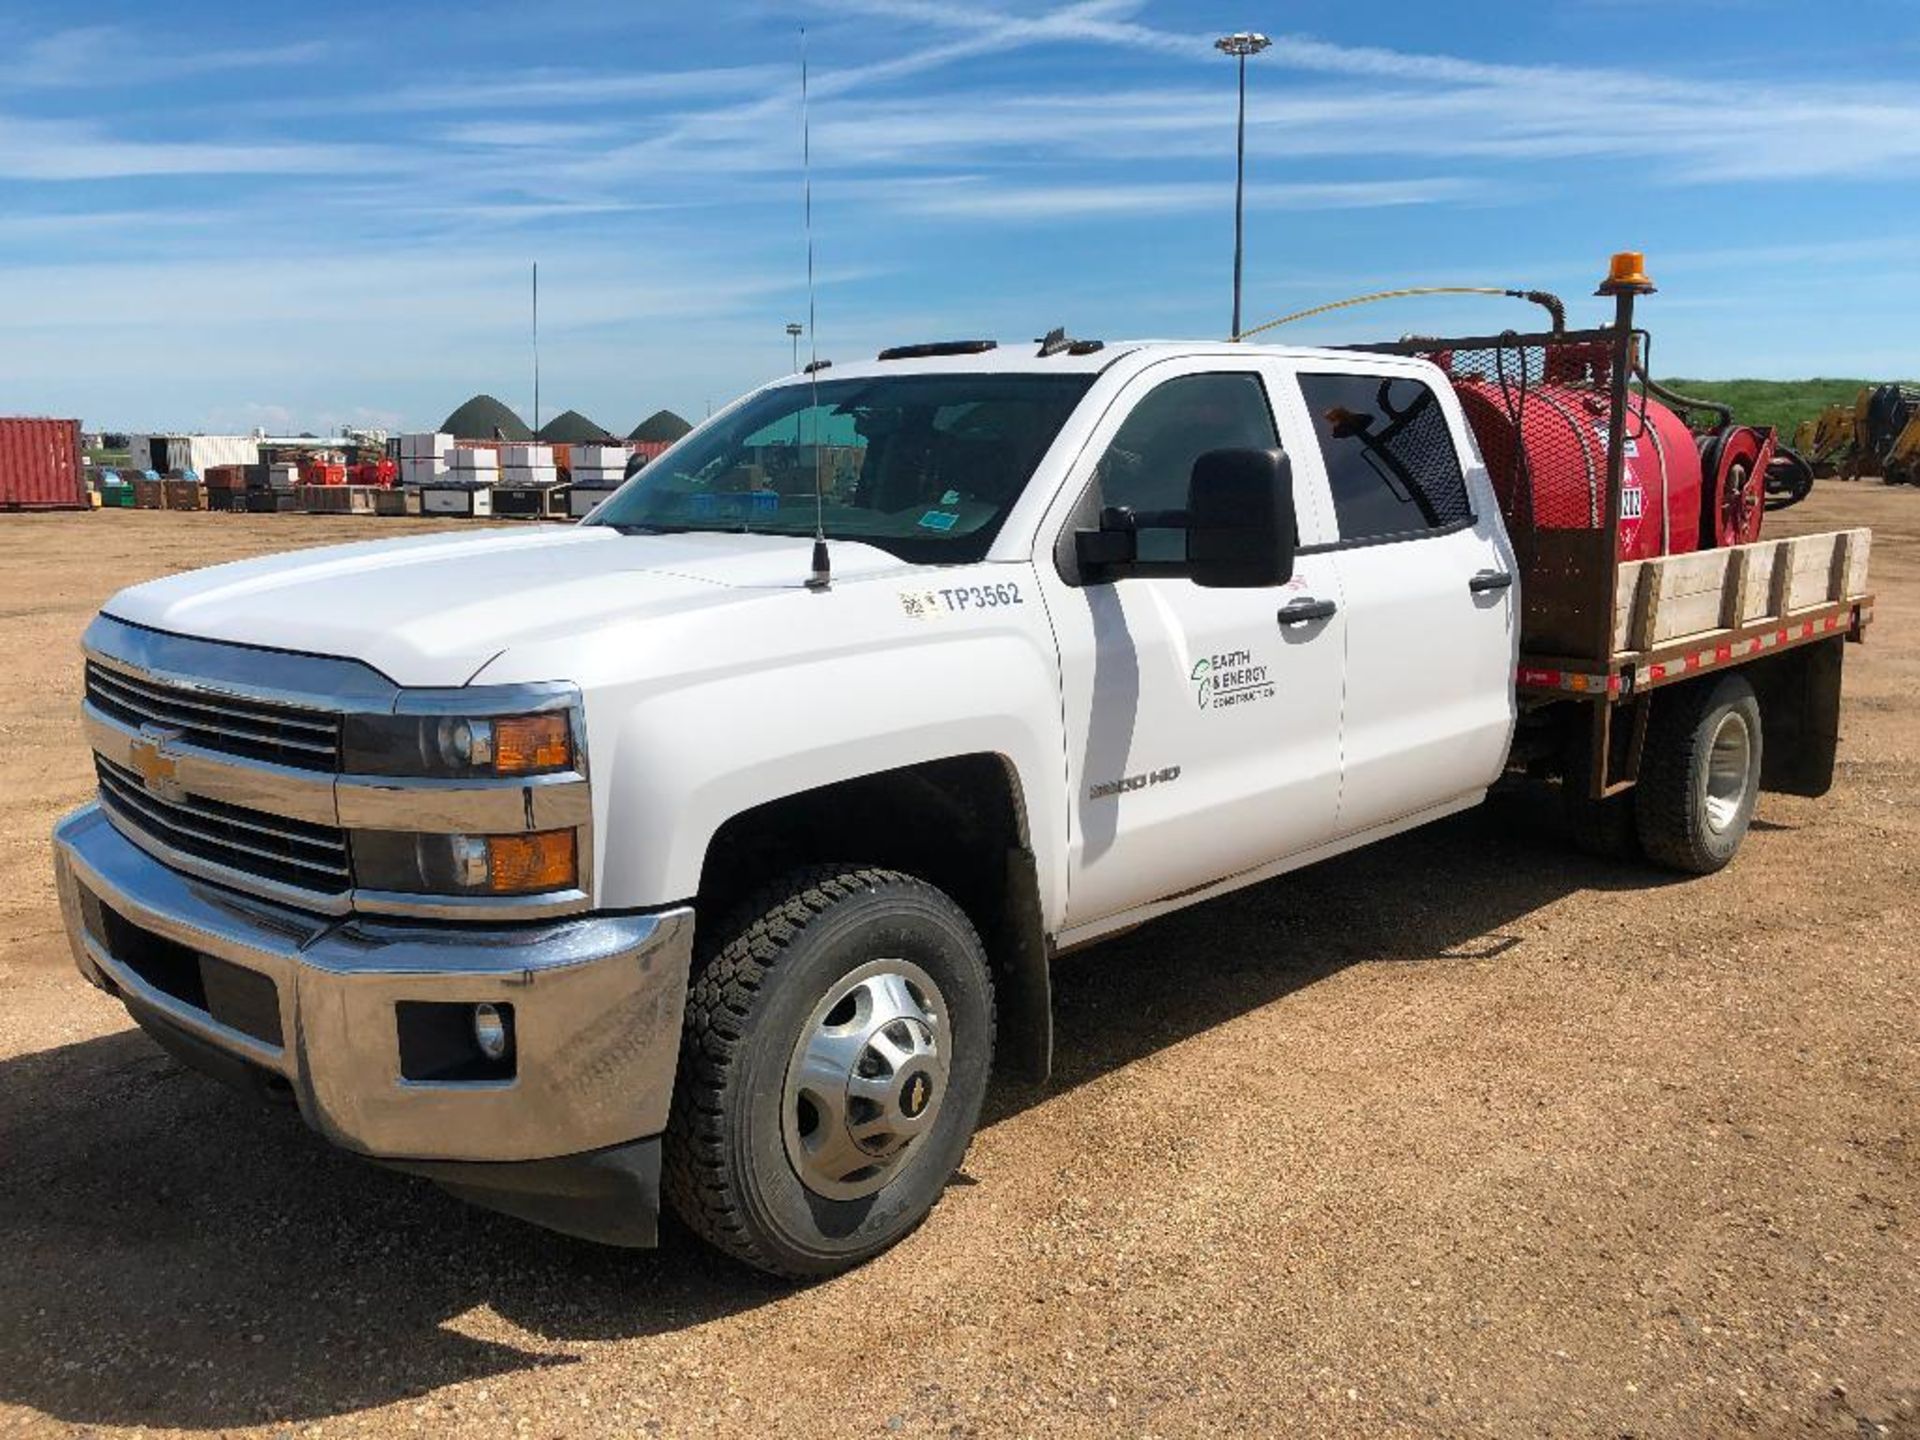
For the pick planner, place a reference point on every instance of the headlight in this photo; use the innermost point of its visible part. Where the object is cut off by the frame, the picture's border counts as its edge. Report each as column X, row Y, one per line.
column 458, row 746
column 527, row 863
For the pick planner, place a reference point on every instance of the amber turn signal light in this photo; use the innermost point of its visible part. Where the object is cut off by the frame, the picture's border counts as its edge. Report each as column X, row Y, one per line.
column 521, row 864
column 526, row 744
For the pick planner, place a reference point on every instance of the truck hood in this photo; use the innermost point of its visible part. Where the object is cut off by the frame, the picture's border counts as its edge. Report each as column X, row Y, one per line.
column 433, row 610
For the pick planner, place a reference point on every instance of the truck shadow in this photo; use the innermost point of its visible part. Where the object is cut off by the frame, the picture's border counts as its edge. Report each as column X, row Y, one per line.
column 178, row 1258
column 1444, row 892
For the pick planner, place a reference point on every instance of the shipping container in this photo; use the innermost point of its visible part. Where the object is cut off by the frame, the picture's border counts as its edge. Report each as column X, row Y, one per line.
column 41, row 465
column 197, row 453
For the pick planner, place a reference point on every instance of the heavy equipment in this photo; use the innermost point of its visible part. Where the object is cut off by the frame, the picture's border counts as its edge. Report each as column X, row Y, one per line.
column 1826, row 441
column 1886, row 442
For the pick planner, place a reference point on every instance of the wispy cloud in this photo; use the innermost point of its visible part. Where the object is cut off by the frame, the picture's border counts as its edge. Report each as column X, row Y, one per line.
column 524, row 134
column 75, row 150
column 82, row 54
column 977, row 201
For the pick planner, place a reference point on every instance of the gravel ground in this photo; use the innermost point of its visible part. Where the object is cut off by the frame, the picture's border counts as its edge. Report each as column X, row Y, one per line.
column 1460, row 1135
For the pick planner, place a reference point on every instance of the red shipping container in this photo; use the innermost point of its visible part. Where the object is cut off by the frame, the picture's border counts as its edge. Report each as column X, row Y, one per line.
column 41, row 465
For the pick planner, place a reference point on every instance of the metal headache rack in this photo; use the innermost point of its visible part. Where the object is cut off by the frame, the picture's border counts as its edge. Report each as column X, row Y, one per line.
column 1565, row 526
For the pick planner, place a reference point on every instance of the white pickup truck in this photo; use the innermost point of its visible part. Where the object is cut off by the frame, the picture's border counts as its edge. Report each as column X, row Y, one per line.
column 574, row 867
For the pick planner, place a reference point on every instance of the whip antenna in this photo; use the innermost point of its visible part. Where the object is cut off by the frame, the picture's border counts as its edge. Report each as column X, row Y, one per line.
column 822, row 575
column 536, row 347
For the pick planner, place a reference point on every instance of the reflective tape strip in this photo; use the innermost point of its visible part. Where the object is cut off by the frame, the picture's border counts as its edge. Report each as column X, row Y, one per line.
column 1743, row 649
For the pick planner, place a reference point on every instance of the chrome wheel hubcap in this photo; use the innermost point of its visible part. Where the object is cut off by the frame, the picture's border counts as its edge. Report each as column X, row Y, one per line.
column 1728, row 770
column 866, row 1079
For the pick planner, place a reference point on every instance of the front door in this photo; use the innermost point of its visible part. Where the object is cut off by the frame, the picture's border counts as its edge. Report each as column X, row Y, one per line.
column 1203, row 734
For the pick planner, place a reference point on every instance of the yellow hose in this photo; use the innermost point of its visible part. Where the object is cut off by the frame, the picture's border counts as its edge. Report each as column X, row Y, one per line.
column 1377, row 295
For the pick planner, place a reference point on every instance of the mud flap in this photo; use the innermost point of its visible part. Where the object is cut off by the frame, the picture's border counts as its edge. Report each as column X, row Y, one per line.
column 1023, row 975
column 1799, row 695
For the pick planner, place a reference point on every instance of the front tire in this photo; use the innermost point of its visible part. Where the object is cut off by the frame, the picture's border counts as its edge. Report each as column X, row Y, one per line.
column 1700, row 775
column 833, row 1062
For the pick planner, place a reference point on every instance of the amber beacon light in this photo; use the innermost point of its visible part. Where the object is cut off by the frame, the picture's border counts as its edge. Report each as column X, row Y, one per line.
column 1627, row 275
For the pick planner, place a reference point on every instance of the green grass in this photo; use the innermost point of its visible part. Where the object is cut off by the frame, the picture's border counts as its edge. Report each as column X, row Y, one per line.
column 1782, row 404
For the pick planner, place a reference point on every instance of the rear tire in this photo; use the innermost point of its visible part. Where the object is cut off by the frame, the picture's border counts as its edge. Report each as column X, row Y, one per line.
column 833, row 1062
column 1699, row 775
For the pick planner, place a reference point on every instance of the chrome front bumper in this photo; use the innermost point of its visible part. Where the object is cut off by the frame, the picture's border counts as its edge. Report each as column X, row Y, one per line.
column 597, row 1005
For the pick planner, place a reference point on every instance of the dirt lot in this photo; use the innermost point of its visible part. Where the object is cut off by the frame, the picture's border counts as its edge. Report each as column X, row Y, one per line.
column 1460, row 1135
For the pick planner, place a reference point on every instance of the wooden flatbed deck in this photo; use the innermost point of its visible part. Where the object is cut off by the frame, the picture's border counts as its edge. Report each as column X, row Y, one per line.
column 1676, row 615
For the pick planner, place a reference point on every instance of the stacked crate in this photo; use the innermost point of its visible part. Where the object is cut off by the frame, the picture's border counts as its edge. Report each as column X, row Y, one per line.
column 337, row 499
column 425, row 459
column 467, row 488
column 226, row 487
column 283, row 487
column 598, row 471
column 529, row 483
column 179, row 493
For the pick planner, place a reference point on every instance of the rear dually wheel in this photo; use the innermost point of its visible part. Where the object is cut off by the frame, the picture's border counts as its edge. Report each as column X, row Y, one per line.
column 1700, row 774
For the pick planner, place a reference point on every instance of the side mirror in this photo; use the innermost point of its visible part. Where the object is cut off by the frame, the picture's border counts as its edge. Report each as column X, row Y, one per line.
column 1241, row 529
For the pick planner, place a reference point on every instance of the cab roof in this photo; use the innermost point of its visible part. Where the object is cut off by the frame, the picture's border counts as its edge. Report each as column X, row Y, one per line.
column 1024, row 358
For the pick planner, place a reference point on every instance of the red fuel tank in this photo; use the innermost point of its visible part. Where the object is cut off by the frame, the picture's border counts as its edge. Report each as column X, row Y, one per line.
column 1546, row 450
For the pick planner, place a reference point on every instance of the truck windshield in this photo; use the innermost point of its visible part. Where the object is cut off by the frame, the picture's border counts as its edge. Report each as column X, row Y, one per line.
column 925, row 467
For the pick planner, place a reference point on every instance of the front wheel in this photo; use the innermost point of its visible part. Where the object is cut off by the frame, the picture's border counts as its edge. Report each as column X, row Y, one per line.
column 1699, row 775
column 833, row 1062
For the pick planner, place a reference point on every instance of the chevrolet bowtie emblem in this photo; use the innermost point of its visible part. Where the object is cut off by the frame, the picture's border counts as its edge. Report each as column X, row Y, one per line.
column 150, row 759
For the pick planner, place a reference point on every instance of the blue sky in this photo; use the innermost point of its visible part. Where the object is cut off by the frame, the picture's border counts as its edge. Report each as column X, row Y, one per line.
column 221, row 215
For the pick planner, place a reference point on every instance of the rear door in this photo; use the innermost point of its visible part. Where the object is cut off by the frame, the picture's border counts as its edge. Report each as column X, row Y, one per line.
column 1426, row 578
column 1203, row 734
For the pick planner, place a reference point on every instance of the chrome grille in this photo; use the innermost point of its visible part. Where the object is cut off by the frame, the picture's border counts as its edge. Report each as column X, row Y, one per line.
column 305, row 739
column 291, row 852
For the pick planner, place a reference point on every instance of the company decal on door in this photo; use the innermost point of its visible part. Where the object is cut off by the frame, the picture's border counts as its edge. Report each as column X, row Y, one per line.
column 1230, row 679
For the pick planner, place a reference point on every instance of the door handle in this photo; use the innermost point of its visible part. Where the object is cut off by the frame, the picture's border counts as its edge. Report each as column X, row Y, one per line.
column 1490, row 580
column 1299, row 612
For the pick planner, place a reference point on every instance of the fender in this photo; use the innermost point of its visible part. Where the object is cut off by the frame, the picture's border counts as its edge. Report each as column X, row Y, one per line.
column 697, row 717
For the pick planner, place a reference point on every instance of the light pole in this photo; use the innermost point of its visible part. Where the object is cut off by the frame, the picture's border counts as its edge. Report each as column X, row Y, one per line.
column 794, row 331
column 1240, row 45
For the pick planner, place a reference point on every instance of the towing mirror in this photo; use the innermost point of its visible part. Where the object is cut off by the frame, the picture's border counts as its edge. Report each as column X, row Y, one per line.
column 1241, row 530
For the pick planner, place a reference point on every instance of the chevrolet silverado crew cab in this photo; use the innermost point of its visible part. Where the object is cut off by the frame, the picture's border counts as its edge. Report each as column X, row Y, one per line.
column 659, row 857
